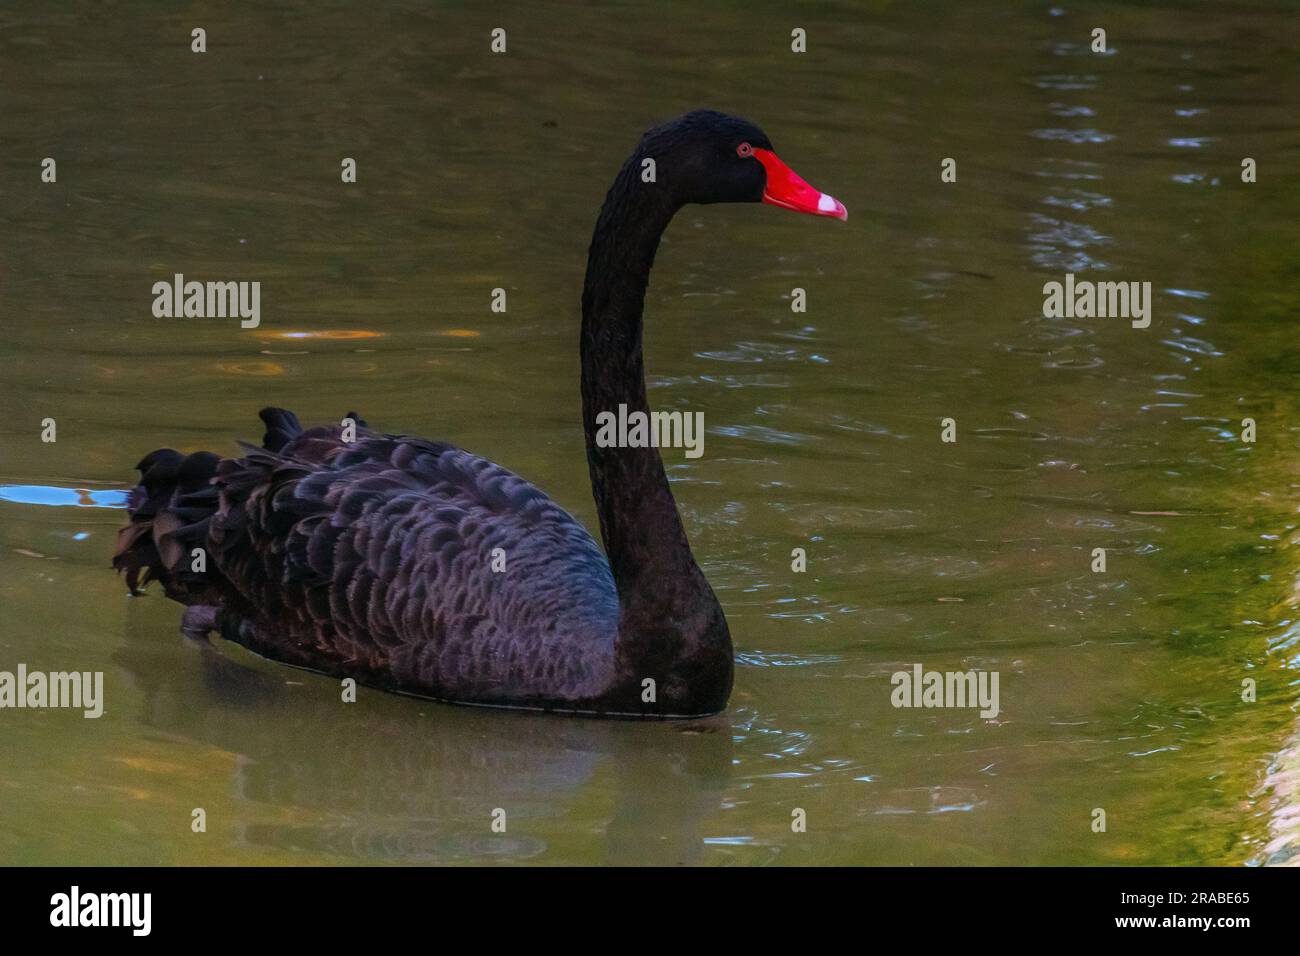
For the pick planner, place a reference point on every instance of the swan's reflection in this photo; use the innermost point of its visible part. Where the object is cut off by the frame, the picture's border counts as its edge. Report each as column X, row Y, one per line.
column 405, row 780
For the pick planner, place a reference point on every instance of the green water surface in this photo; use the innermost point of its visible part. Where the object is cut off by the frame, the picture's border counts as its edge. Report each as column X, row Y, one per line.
column 1119, row 690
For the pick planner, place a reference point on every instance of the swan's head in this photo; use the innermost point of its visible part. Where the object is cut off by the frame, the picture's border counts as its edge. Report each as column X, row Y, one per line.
column 708, row 157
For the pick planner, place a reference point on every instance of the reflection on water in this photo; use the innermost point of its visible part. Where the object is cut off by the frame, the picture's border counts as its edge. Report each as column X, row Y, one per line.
column 401, row 780
column 62, row 497
column 1119, row 690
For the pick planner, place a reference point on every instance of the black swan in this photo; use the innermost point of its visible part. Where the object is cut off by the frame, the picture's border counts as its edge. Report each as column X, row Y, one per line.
column 376, row 558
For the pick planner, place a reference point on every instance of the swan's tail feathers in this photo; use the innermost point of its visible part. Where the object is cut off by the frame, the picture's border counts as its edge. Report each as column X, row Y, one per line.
column 282, row 427
column 170, row 511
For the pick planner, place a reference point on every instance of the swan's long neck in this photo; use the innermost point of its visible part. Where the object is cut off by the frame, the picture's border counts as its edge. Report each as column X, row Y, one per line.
column 662, row 593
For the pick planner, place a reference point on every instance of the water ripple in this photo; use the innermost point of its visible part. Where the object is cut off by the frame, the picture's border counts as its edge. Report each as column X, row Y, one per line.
column 1073, row 135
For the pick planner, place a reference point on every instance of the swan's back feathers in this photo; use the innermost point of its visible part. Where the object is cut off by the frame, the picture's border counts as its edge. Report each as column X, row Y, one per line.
column 423, row 566
column 282, row 427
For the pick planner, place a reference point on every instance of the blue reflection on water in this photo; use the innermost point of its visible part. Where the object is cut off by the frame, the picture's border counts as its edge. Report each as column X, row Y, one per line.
column 62, row 497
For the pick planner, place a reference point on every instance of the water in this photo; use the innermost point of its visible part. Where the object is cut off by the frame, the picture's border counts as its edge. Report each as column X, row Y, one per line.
column 1119, row 691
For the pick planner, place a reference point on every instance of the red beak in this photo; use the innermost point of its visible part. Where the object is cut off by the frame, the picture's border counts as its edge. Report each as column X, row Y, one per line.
column 786, row 188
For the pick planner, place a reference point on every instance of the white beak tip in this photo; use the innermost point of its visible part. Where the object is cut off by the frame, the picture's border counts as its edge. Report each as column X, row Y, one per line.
column 828, row 205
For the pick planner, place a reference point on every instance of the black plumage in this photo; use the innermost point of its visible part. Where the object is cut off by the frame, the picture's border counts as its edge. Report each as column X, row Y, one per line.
column 374, row 558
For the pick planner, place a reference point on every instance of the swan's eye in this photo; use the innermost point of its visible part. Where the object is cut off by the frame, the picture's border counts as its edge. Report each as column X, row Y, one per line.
column 744, row 149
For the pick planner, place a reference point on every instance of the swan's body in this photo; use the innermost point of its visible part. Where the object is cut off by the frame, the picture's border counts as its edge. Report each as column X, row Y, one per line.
column 416, row 567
